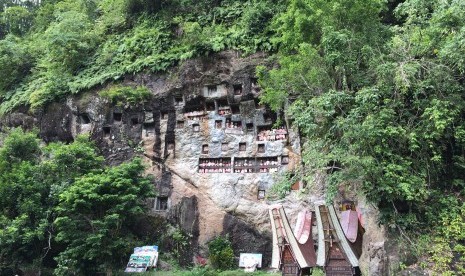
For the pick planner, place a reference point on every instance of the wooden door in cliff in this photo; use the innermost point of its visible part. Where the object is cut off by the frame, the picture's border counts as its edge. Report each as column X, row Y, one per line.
column 338, row 265
column 289, row 263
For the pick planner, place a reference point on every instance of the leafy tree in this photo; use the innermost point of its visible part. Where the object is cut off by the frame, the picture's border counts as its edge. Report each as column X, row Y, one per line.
column 20, row 207
column 15, row 63
column 17, row 20
column 31, row 179
column 95, row 215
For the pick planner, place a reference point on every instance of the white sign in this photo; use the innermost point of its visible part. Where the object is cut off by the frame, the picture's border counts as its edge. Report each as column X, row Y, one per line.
column 250, row 259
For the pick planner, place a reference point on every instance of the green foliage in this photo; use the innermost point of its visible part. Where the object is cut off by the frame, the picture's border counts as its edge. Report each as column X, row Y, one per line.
column 95, row 215
column 220, row 253
column 386, row 104
column 15, row 63
column 179, row 242
column 123, row 95
column 282, row 184
column 18, row 147
column 17, row 20
column 31, row 179
column 294, row 78
column 53, row 194
column 77, row 45
column 200, row 271
column 317, row 272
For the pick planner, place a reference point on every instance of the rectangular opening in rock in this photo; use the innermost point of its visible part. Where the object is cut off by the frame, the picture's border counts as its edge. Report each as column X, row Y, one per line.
column 161, row 203
column 215, row 165
column 211, row 90
column 84, row 118
column 285, row 159
column 205, row 149
column 106, row 131
column 235, row 109
column 134, row 121
column 194, row 109
column 249, row 127
column 149, row 129
column 261, row 194
column 261, row 148
column 254, row 85
column 210, row 106
column 218, row 124
column 267, row 164
column 178, row 100
column 258, row 104
column 267, row 133
column 179, row 124
column 164, row 115
column 237, row 89
column 196, row 127
column 242, row 146
column 117, row 116
column 148, row 116
column 233, row 124
column 223, row 107
column 244, row 165
column 267, row 118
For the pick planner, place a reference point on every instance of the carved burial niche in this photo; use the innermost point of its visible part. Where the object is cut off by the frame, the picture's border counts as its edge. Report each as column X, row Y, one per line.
column 285, row 160
column 244, row 165
column 210, row 106
column 84, row 118
column 196, row 127
column 180, row 124
column 235, row 109
column 254, row 85
column 249, row 127
column 258, row 104
column 215, row 165
column 267, row 117
column 267, row 164
column 237, row 89
column 233, row 124
column 218, row 124
column 178, row 100
column 134, row 121
column 242, row 146
column 211, row 90
column 161, row 203
column 106, row 131
column 164, row 115
column 117, row 116
column 194, row 109
column 223, row 107
column 205, row 149
column 149, row 129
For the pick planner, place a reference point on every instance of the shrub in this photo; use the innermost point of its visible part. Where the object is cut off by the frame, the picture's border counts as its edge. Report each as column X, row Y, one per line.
column 120, row 94
column 221, row 253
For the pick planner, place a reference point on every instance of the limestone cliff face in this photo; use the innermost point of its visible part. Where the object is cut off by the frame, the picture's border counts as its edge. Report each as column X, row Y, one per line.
column 212, row 148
